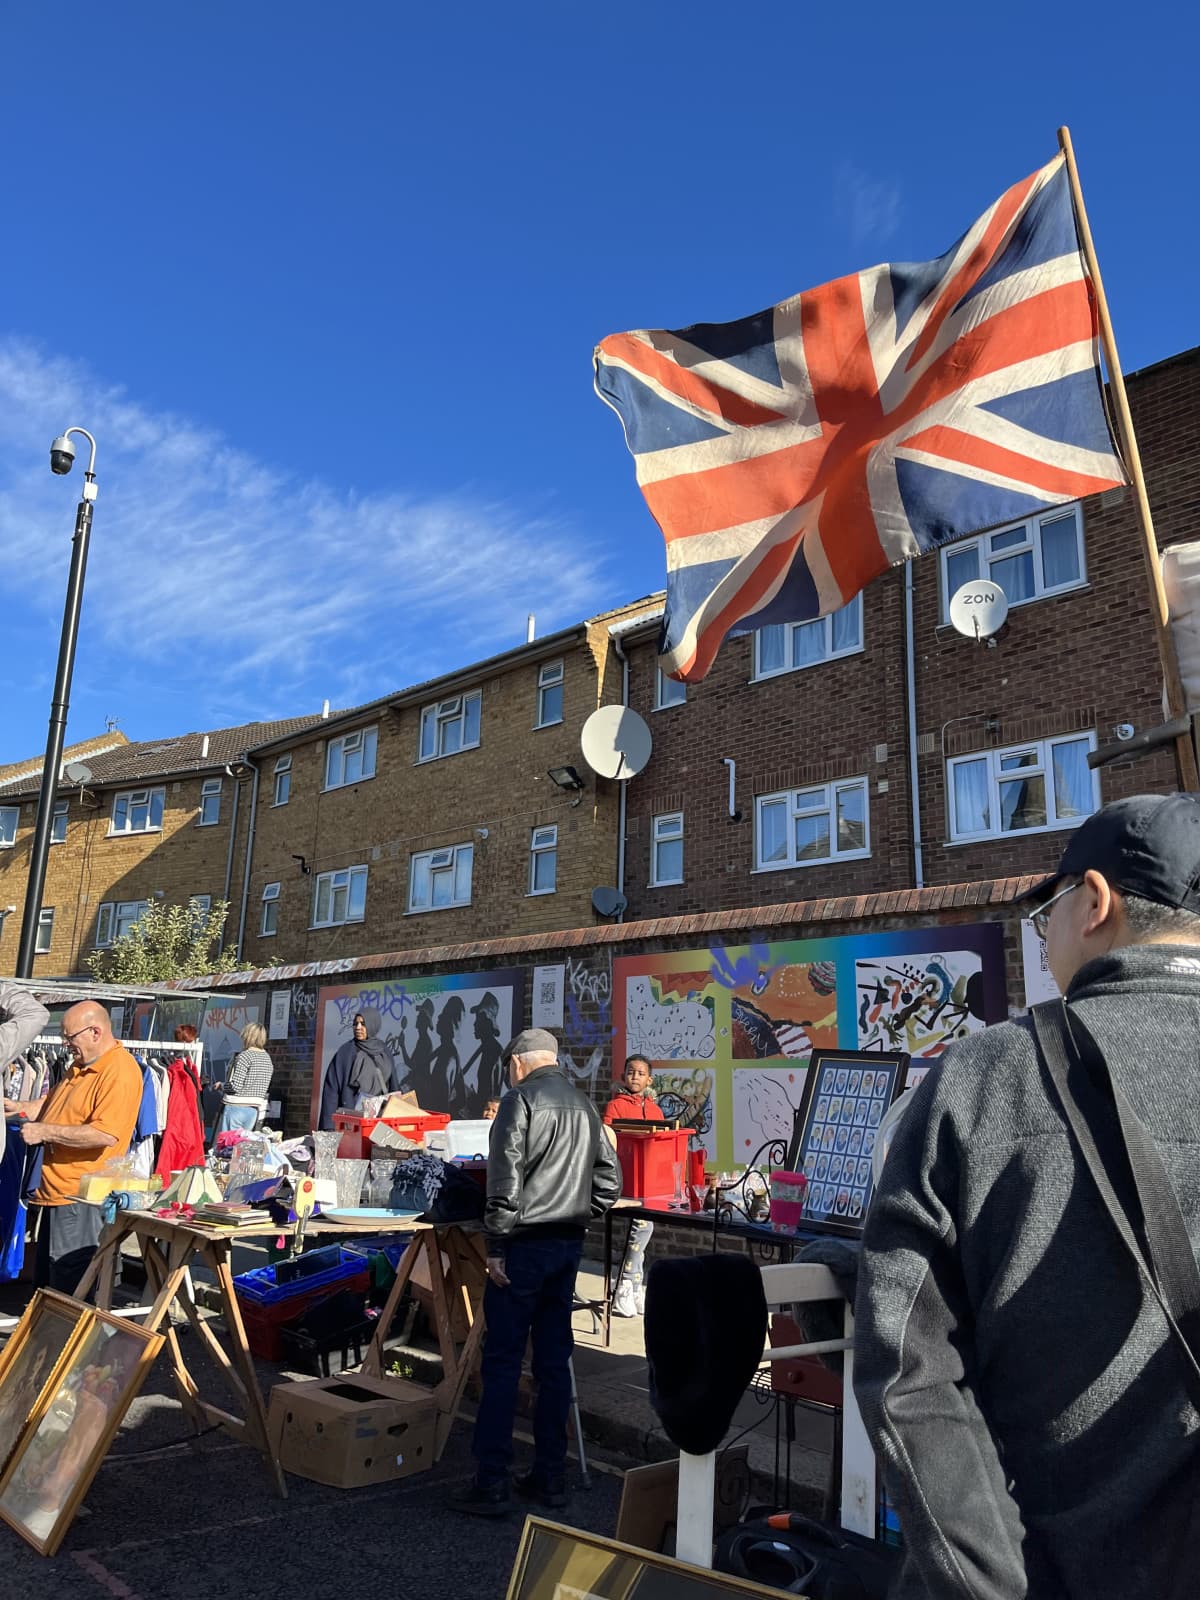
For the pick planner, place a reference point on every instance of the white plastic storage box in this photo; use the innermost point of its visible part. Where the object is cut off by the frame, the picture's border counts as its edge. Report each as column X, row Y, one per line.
column 466, row 1138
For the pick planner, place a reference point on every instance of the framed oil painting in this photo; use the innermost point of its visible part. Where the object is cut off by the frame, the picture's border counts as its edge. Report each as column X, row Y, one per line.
column 845, row 1097
column 29, row 1359
column 72, row 1424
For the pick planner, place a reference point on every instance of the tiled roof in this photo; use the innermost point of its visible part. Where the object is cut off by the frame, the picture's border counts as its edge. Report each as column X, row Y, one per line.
column 793, row 914
column 18, row 772
column 159, row 758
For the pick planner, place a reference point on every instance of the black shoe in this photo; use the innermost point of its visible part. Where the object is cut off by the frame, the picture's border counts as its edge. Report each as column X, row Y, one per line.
column 482, row 1499
column 542, row 1491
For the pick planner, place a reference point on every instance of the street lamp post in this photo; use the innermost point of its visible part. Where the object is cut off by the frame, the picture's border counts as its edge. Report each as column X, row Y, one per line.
column 62, row 455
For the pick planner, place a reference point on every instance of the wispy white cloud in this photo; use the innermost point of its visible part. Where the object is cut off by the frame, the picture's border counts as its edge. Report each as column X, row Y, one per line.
column 869, row 207
column 241, row 585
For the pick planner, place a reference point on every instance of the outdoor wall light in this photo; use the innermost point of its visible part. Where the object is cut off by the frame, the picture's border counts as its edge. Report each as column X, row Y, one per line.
column 565, row 777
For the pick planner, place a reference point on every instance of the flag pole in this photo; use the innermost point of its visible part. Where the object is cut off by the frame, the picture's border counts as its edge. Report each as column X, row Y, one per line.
column 1176, row 703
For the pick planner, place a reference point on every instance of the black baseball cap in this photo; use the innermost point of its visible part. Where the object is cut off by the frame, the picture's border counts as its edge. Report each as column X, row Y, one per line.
column 1148, row 845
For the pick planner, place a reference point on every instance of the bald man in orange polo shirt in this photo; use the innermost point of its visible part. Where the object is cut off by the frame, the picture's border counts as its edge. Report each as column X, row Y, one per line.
column 86, row 1120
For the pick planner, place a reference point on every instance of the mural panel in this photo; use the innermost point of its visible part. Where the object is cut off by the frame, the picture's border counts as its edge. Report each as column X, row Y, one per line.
column 444, row 1033
column 700, row 1016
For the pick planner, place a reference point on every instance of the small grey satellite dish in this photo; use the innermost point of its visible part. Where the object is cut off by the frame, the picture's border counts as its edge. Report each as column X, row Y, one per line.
column 615, row 742
column 978, row 609
column 608, row 902
column 76, row 772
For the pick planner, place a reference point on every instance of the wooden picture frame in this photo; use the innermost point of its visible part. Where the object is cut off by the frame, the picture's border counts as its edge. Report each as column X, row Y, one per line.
column 30, row 1359
column 559, row 1563
column 846, row 1094
column 73, row 1423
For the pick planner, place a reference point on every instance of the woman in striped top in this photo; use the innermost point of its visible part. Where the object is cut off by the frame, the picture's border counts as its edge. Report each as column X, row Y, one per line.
column 250, row 1072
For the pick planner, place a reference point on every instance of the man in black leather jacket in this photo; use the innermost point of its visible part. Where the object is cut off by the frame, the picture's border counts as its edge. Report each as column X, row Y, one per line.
column 551, row 1171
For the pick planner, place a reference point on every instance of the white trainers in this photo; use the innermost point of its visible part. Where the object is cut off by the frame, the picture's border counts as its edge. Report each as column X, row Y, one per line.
column 624, row 1302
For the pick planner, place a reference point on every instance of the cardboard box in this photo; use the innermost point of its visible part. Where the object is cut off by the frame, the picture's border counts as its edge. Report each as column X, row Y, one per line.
column 352, row 1430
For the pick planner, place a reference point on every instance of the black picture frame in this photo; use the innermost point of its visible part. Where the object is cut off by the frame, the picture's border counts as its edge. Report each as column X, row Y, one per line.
column 823, row 1143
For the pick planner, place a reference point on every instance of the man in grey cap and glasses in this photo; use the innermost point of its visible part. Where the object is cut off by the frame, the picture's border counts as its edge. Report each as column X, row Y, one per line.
column 550, row 1172
column 1033, row 1407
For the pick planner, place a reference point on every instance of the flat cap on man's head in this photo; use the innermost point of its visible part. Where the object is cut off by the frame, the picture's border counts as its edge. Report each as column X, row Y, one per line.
column 1148, row 845
column 530, row 1042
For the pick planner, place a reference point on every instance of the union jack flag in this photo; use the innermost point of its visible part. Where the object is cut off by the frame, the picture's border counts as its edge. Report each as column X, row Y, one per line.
column 792, row 456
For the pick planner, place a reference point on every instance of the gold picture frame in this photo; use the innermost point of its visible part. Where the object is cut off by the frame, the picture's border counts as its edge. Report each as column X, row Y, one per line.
column 29, row 1361
column 559, row 1563
column 74, row 1419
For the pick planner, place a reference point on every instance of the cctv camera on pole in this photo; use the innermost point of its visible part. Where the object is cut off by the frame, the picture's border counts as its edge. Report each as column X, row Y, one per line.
column 62, row 457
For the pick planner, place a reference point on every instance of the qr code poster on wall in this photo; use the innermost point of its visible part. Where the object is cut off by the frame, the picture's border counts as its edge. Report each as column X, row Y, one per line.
column 548, row 985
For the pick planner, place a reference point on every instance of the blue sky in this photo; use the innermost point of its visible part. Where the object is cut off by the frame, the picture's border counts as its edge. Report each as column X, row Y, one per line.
column 325, row 282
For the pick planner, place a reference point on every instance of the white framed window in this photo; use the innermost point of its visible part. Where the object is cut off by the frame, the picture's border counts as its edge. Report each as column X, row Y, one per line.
column 351, row 758
column 802, row 827
column 210, row 803
column 45, row 931
column 549, row 694
column 450, row 726
column 340, row 897
column 667, row 691
column 137, row 811
column 666, row 849
column 791, row 646
column 10, row 816
column 1026, row 788
column 283, row 781
column 1029, row 560
column 58, row 827
column 115, row 918
column 269, row 926
column 439, row 879
column 543, row 860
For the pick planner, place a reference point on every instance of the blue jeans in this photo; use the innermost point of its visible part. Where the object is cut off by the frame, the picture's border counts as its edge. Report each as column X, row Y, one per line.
column 237, row 1117
column 537, row 1302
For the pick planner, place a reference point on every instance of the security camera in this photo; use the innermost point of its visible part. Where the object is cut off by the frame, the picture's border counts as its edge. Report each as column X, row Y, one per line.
column 62, row 455
column 1124, row 731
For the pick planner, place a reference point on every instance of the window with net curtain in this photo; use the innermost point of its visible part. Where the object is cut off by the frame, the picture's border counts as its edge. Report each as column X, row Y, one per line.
column 789, row 646
column 1039, row 557
column 1023, row 789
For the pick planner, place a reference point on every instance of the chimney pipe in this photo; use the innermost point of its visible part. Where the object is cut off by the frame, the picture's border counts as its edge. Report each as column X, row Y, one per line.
column 530, row 625
column 204, row 748
column 325, row 711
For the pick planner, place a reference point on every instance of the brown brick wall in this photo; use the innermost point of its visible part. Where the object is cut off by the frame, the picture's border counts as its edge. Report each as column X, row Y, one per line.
column 410, row 806
column 92, row 867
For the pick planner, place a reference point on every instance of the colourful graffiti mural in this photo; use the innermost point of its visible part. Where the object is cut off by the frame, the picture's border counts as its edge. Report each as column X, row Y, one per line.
column 444, row 1033
column 703, row 1016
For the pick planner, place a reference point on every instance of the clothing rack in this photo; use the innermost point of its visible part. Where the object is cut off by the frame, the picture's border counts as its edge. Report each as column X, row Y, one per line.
column 193, row 1051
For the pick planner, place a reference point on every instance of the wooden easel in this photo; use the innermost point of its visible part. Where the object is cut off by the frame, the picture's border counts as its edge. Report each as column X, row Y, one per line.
column 169, row 1249
column 458, row 1287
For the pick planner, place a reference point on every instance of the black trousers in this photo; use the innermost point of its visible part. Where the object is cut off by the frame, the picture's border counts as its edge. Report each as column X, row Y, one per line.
column 67, row 1240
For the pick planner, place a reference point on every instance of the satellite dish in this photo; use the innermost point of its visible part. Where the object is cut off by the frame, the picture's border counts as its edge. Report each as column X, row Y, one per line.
column 608, row 902
column 77, row 772
column 978, row 609
column 615, row 742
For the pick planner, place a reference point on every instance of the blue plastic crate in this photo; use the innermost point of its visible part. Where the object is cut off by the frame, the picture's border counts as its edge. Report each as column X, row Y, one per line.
column 261, row 1287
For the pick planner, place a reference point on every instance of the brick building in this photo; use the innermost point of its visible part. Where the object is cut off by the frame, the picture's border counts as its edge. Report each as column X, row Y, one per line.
column 431, row 808
column 815, row 722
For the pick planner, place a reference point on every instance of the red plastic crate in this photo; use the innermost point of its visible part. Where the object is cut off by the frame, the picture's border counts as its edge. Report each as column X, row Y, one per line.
column 356, row 1130
column 264, row 1323
column 648, row 1161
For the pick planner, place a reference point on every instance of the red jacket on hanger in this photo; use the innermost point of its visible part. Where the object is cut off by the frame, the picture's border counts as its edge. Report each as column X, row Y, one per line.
column 183, row 1137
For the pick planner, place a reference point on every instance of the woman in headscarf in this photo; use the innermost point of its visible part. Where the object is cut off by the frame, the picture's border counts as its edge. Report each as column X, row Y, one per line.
column 360, row 1070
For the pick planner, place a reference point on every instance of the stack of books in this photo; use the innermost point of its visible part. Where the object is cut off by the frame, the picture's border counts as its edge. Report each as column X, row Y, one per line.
column 225, row 1214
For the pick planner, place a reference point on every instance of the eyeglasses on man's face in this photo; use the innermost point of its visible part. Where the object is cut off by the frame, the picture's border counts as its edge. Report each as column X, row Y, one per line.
column 1041, row 917
column 70, row 1038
